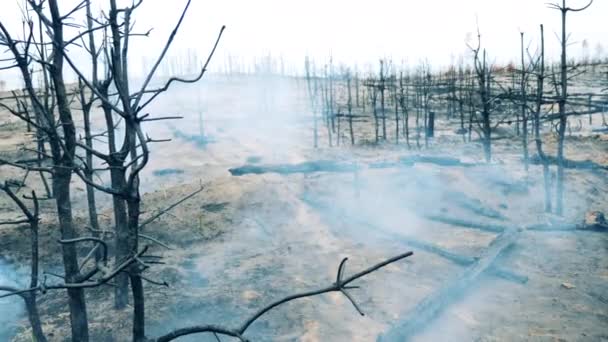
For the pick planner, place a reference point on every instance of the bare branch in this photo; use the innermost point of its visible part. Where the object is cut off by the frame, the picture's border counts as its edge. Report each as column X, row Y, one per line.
column 339, row 286
column 148, row 79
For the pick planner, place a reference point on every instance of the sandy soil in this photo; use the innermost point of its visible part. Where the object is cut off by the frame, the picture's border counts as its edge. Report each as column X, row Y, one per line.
column 245, row 241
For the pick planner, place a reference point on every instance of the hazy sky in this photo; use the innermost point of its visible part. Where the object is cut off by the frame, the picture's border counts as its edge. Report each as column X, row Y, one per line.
column 362, row 31
column 356, row 31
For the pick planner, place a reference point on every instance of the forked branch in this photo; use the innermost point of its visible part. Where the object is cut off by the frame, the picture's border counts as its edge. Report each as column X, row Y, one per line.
column 341, row 285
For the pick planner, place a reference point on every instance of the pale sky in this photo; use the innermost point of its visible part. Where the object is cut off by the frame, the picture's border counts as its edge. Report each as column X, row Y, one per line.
column 355, row 31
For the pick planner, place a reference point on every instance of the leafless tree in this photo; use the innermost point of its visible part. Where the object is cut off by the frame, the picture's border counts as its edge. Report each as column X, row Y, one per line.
column 563, row 99
column 483, row 73
column 403, row 103
column 540, row 80
column 312, row 87
column 349, row 106
column 62, row 141
column 32, row 219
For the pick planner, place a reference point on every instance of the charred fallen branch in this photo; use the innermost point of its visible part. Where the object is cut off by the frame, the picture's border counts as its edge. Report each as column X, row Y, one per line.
column 495, row 228
column 492, row 228
column 459, row 259
column 341, row 285
column 306, row 167
column 464, row 260
column 333, row 166
column 569, row 164
column 430, row 307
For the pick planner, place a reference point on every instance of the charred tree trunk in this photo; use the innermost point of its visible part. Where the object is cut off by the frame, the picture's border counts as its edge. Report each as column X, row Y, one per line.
column 62, row 175
column 430, row 127
column 403, row 99
column 539, row 144
column 524, row 105
column 563, row 119
column 382, row 105
column 76, row 300
column 374, row 96
column 350, row 109
column 396, row 117
column 312, row 96
column 137, row 289
column 417, row 104
column 117, row 176
column 563, row 98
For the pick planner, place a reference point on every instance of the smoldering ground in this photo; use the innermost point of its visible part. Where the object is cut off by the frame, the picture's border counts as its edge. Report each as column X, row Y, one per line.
column 11, row 308
column 286, row 233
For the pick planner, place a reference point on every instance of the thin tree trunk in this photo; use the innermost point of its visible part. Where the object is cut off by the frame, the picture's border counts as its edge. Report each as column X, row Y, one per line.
column 350, row 110
column 30, row 298
column 539, row 144
column 562, row 121
column 34, row 318
column 88, row 171
column 382, row 109
column 524, row 104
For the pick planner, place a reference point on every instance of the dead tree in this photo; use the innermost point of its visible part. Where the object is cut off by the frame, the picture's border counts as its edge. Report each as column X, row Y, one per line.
column 484, row 77
column 331, row 99
column 540, row 80
column 403, row 103
column 426, row 87
column 382, row 87
column 524, row 105
column 356, row 80
column 32, row 219
column 373, row 97
column 86, row 102
column 417, row 105
column 349, row 106
column 461, row 98
column 62, row 141
column 395, row 97
column 63, row 144
column 563, row 98
column 312, row 87
column 125, row 172
column 328, row 105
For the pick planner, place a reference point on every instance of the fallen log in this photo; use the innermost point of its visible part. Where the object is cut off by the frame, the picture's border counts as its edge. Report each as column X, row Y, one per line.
column 496, row 228
column 412, row 160
column 430, row 307
column 463, row 260
column 334, row 166
column 459, row 259
column 437, row 160
column 569, row 164
column 493, row 228
column 306, row 167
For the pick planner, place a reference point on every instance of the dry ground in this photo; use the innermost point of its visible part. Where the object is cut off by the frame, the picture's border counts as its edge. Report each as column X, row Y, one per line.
column 245, row 241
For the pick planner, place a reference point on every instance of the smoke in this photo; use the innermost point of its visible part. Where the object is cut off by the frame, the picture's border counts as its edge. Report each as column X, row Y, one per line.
column 266, row 119
column 11, row 308
column 227, row 121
